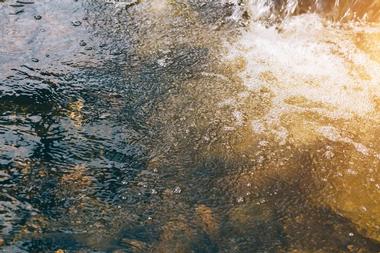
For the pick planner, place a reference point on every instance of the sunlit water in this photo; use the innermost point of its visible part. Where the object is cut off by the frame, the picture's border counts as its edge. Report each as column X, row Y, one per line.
column 189, row 126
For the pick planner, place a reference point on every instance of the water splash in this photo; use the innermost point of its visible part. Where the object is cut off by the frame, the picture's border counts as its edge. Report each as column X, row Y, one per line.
column 150, row 142
column 317, row 63
column 270, row 10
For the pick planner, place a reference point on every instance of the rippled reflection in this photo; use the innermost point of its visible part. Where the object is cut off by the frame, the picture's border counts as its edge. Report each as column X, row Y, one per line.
column 189, row 126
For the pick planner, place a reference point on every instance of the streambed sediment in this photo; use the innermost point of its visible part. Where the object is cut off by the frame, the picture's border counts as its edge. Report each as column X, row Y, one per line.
column 189, row 126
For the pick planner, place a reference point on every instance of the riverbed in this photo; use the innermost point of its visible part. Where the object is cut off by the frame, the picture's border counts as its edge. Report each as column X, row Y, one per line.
column 189, row 126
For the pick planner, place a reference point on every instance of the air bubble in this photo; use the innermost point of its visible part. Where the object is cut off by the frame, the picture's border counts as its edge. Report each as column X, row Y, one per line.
column 177, row 190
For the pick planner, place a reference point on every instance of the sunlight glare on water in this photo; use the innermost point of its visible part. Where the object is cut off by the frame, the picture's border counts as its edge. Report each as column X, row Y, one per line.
column 324, row 86
column 189, row 126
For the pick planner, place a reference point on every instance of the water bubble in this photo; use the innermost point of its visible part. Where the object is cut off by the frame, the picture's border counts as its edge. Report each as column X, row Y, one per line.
column 352, row 171
column 35, row 60
column 260, row 159
column 177, row 190
column 154, row 191
column 69, row 77
column 240, row 200
column 263, row 143
column 162, row 62
column 328, row 154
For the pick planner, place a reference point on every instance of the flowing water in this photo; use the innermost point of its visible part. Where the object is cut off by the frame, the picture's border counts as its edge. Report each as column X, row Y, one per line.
column 189, row 126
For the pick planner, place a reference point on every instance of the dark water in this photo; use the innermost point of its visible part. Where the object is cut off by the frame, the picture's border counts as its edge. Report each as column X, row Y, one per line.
column 115, row 136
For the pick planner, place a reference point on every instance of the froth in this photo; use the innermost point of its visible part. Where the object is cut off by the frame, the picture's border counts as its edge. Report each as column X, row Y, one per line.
column 306, row 60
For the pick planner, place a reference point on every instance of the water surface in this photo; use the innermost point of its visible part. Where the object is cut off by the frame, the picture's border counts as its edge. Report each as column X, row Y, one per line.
column 189, row 126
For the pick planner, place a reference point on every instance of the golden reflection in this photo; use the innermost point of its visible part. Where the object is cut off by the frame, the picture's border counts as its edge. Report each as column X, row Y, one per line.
column 322, row 109
column 369, row 42
column 208, row 220
column 293, row 115
column 77, row 178
column 75, row 112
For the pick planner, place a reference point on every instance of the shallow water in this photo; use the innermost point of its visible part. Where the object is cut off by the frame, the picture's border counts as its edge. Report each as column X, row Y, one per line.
column 189, row 126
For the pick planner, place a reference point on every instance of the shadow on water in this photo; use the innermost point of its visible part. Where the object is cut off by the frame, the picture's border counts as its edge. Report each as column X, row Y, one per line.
column 117, row 135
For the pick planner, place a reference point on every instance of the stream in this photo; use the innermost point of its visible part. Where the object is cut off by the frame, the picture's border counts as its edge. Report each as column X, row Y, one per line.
column 176, row 126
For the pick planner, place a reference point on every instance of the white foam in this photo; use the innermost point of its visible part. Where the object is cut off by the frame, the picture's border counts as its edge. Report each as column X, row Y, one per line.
column 333, row 135
column 310, row 60
column 303, row 61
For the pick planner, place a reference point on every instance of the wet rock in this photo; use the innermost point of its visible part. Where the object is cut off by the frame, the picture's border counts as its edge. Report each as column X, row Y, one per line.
column 245, row 225
column 352, row 189
column 76, row 179
column 250, row 213
column 178, row 237
column 37, row 17
column 208, row 220
column 135, row 245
